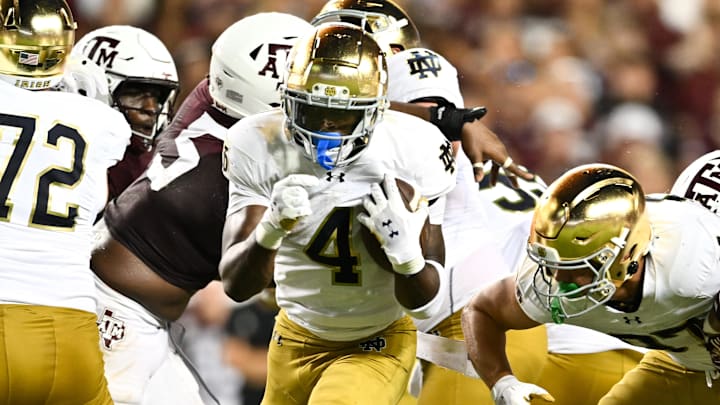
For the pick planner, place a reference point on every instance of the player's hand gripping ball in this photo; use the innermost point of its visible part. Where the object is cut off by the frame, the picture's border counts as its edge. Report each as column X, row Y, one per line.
column 374, row 234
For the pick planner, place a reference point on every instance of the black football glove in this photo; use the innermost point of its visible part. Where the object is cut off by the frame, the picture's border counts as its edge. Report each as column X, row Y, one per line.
column 450, row 119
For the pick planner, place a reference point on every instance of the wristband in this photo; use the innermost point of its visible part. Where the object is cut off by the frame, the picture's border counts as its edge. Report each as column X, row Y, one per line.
column 268, row 236
column 414, row 266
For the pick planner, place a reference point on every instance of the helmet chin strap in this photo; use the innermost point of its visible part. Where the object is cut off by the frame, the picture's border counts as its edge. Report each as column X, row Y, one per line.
column 323, row 146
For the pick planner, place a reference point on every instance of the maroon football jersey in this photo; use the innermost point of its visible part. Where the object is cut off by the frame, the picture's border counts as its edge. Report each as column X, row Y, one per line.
column 131, row 166
column 172, row 216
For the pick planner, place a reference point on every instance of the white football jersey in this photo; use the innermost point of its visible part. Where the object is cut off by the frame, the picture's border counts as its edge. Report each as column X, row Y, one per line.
column 485, row 229
column 55, row 149
column 680, row 279
column 326, row 280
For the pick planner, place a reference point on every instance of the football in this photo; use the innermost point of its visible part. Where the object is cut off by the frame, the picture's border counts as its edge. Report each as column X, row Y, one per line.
column 411, row 197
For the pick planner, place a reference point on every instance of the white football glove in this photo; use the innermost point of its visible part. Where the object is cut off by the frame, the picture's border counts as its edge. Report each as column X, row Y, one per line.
column 396, row 228
column 510, row 391
column 289, row 203
column 83, row 76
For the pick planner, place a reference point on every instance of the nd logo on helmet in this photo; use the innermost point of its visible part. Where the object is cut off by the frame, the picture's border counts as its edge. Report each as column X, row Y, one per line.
column 330, row 91
column 542, row 252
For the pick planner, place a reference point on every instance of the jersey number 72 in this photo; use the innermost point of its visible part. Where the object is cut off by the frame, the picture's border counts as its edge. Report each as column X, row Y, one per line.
column 67, row 177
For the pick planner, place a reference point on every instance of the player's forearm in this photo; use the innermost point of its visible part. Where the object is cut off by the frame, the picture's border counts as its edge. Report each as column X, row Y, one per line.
column 417, row 110
column 418, row 289
column 246, row 268
column 421, row 295
column 485, row 341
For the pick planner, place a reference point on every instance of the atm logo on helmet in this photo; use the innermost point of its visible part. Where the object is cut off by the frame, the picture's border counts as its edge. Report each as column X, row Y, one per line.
column 103, row 51
column 271, row 65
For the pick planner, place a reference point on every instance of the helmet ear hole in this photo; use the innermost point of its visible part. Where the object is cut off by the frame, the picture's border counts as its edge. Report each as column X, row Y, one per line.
column 633, row 268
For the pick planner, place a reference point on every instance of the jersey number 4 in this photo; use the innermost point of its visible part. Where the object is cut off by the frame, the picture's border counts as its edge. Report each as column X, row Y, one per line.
column 67, row 177
column 335, row 231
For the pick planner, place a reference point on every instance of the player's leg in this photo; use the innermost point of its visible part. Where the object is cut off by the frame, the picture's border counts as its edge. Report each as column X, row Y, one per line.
column 582, row 379
column 658, row 380
column 133, row 342
column 372, row 371
column 526, row 350
column 292, row 370
column 407, row 399
column 45, row 352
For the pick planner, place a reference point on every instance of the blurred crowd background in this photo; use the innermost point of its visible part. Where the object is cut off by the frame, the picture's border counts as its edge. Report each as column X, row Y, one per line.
column 634, row 83
column 629, row 82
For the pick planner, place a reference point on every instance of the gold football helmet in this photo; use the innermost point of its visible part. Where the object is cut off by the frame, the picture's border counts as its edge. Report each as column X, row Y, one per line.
column 334, row 93
column 35, row 39
column 389, row 24
column 592, row 218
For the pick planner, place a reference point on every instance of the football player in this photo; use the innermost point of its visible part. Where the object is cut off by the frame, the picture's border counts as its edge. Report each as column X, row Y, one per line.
column 303, row 183
column 485, row 229
column 143, row 84
column 604, row 256
column 394, row 31
column 55, row 149
column 160, row 240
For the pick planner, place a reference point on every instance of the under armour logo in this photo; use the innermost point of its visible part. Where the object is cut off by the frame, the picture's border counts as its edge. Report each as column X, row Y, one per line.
column 446, row 156
column 376, row 344
column 423, row 63
column 635, row 319
column 391, row 232
column 277, row 338
column 112, row 330
column 329, row 176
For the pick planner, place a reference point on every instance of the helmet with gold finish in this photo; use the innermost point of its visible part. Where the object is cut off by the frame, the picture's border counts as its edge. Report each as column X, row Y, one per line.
column 36, row 38
column 591, row 221
column 388, row 23
column 335, row 92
